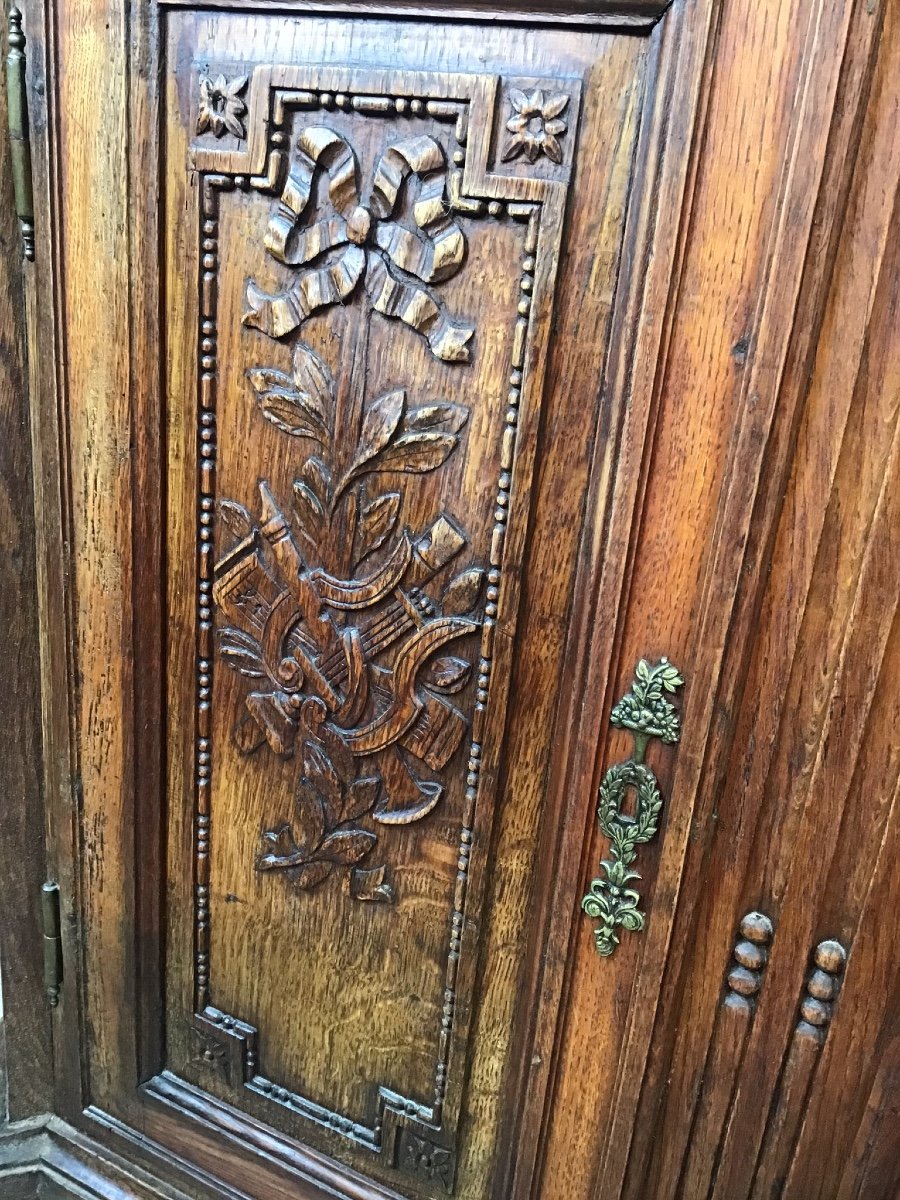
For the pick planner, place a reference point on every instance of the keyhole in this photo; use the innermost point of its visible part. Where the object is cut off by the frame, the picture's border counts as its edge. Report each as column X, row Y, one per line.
column 628, row 807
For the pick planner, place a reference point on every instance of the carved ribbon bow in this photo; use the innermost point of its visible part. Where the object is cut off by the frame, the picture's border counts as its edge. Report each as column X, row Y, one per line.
column 361, row 240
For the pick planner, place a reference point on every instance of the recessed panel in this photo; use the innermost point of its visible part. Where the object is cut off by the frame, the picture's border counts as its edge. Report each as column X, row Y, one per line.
column 363, row 266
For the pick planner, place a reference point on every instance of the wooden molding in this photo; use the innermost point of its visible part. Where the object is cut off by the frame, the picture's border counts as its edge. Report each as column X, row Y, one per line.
column 607, row 14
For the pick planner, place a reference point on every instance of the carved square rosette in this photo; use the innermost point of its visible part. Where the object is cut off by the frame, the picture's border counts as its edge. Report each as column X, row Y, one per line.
column 343, row 660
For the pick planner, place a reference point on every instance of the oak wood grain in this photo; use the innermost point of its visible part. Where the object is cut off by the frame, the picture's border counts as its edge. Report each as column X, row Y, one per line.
column 401, row 375
column 26, row 1068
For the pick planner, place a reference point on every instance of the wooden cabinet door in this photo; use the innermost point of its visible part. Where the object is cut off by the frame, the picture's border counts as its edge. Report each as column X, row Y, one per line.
column 336, row 291
column 416, row 390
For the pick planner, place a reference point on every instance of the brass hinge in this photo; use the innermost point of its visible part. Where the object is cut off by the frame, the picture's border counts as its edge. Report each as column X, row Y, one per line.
column 53, row 963
column 20, row 146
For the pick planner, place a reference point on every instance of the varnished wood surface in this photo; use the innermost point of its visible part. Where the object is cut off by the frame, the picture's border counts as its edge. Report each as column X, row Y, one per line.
column 727, row 1146
column 25, row 1069
column 635, row 14
column 710, row 410
column 386, row 1006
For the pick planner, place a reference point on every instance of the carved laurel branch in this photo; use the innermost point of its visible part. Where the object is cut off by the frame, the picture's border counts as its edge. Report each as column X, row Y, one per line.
column 647, row 713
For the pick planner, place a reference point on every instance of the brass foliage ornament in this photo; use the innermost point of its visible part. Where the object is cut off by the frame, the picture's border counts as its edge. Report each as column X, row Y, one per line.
column 648, row 713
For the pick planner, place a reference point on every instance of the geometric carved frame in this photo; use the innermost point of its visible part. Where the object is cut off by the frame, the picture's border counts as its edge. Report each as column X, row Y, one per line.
column 416, row 1137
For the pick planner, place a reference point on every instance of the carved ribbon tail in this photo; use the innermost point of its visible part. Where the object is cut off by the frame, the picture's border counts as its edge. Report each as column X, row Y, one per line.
column 408, row 258
column 385, row 729
column 279, row 314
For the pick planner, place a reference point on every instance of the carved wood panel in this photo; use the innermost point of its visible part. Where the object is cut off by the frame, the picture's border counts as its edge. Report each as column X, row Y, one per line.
column 295, row 644
column 355, row 392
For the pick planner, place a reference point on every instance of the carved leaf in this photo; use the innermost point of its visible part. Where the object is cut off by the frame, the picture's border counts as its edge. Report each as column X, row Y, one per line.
column 233, row 123
column 242, row 653
column 554, row 106
column 315, row 383
column 376, row 522
column 346, row 846
column 379, row 426
column 319, row 770
column 283, row 853
column 371, row 885
column 441, row 417
column 247, row 735
column 449, row 674
column 462, row 593
column 310, row 512
column 281, row 842
column 236, row 86
column 310, row 810
column 310, row 875
column 235, row 519
column 340, row 756
column 292, row 411
column 317, row 476
column 552, row 148
column 416, row 453
column 360, row 798
column 514, row 149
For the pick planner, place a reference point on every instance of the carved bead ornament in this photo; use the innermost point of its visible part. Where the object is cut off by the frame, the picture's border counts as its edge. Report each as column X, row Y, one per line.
column 822, row 986
column 751, row 954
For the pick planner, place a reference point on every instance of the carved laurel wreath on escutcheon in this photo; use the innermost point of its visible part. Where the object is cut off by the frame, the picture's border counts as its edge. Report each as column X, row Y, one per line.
column 340, row 615
column 646, row 711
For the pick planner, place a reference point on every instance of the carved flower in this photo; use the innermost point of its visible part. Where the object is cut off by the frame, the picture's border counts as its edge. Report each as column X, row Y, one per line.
column 428, row 1160
column 221, row 106
column 536, row 125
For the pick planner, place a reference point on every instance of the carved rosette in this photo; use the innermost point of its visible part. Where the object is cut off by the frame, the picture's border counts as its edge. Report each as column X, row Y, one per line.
column 536, row 125
column 220, row 108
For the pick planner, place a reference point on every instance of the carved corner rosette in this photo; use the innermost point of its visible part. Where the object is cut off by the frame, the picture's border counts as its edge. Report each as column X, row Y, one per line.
column 420, row 1157
column 647, row 713
column 220, row 105
column 536, row 125
column 537, row 121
